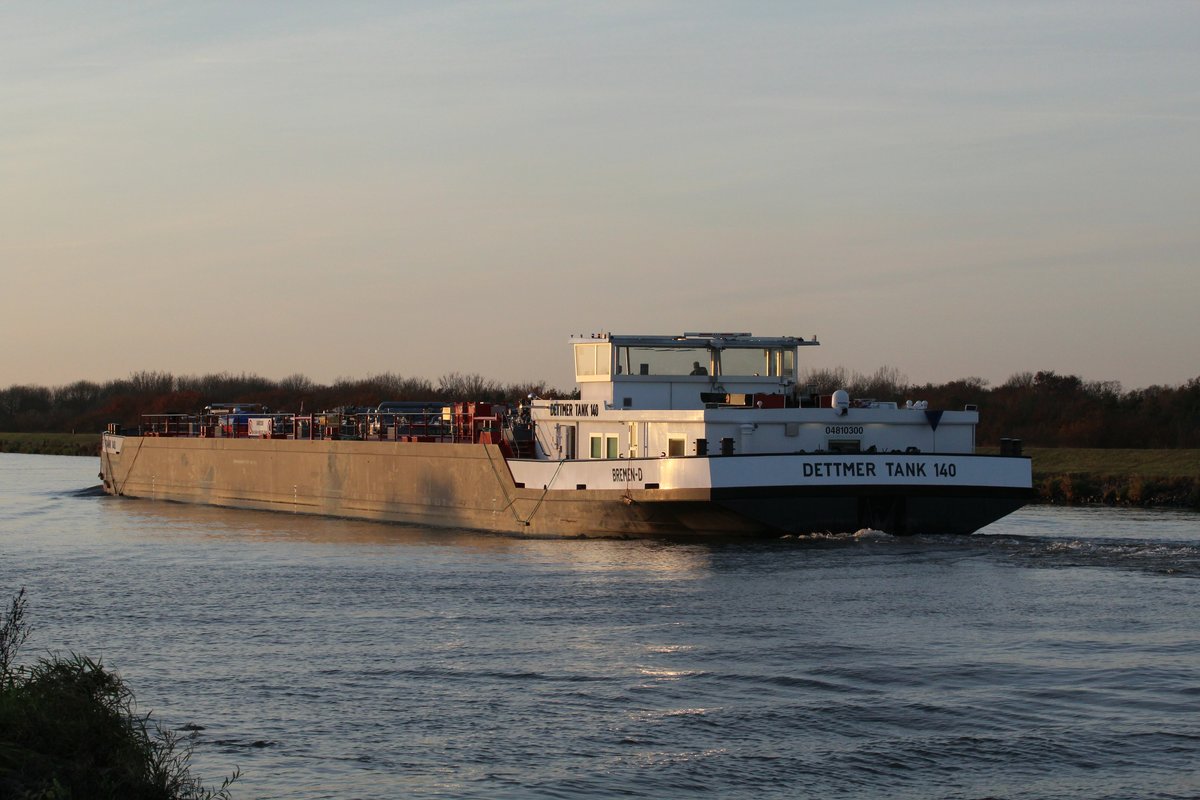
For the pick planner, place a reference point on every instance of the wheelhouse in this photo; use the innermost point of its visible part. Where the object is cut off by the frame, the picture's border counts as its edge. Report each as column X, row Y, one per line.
column 673, row 372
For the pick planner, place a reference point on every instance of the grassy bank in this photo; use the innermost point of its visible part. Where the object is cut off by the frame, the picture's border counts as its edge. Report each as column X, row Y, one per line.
column 1117, row 477
column 51, row 444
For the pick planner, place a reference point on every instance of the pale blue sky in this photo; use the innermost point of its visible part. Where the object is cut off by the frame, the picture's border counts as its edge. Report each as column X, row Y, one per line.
column 341, row 189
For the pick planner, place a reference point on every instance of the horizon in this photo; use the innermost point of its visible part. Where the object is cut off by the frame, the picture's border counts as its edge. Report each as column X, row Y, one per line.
column 276, row 189
column 852, row 375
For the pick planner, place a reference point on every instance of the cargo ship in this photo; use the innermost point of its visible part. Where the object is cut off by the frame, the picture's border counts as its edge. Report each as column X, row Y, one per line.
column 704, row 434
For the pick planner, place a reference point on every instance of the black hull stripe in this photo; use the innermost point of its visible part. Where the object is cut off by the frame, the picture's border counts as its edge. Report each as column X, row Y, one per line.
column 990, row 492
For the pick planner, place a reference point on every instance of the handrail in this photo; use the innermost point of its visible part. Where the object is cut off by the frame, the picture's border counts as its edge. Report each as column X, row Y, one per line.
column 438, row 422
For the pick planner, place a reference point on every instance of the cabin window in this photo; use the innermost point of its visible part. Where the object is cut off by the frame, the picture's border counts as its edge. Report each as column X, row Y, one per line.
column 787, row 363
column 845, row 445
column 664, row 361
column 605, row 446
column 676, row 445
column 772, row 361
column 593, row 360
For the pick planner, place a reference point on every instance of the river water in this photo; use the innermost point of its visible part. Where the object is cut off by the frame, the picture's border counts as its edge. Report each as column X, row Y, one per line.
column 1054, row 655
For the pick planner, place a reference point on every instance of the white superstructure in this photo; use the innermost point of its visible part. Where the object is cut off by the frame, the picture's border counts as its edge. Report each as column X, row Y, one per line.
column 722, row 413
column 644, row 396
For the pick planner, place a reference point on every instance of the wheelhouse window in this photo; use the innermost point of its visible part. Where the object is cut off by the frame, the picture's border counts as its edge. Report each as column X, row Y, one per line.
column 593, row 361
column 664, row 361
column 776, row 362
column 772, row 362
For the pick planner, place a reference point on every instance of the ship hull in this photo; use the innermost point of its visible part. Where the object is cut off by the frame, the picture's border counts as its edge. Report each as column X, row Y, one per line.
column 474, row 486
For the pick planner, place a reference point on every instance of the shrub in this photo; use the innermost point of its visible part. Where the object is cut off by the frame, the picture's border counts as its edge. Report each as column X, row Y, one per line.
column 69, row 729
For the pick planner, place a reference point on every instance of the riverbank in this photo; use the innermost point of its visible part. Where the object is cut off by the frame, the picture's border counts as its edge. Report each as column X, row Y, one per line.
column 1071, row 475
column 1095, row 476
column 51, row 444
column 1117, row 477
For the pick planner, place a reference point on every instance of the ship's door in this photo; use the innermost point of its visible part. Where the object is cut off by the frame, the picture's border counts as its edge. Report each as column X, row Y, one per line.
column 568, row 442
column 633, row 440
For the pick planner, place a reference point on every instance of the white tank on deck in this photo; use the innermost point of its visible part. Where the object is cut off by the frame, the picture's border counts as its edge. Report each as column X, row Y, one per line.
column 841, row 401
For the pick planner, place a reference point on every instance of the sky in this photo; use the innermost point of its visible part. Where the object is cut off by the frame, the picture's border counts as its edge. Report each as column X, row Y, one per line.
column 949, row 189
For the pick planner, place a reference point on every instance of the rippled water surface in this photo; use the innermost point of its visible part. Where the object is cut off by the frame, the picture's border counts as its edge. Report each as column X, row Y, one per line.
column 1055, row 655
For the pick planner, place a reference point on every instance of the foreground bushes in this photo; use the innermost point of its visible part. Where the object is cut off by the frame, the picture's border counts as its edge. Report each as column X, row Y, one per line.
column 69, row 729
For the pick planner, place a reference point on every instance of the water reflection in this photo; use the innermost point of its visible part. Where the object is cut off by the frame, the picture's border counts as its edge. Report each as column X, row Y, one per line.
column 1165, row 541
column 180, row 520
column 159, row 521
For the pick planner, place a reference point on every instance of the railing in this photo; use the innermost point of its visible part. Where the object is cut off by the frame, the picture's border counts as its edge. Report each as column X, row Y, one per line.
column 458, row 422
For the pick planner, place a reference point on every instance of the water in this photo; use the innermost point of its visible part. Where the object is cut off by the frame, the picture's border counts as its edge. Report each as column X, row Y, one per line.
column 1056, row 655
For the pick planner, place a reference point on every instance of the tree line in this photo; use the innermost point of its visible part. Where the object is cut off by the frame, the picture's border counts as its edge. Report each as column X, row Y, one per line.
column 1046, row 409
column 89, row 406
column 1042, row 409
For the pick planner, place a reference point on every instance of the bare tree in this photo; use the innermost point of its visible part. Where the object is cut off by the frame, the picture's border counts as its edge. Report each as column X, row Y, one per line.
column 13, row 633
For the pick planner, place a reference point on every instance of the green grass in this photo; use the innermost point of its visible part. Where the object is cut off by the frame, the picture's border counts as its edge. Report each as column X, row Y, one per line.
column 51, row 444
column 1116, row 476
column 1094, row 461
